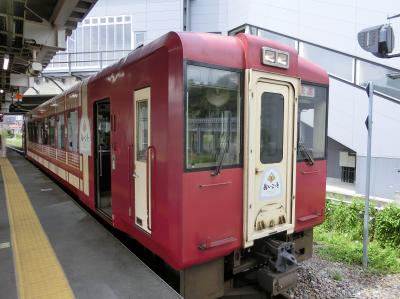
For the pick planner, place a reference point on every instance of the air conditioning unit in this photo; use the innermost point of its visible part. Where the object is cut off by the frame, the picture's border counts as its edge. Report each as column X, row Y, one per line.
column 347, row 159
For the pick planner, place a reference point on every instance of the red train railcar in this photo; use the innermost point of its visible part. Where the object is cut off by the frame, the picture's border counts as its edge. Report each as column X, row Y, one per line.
column 209, row 150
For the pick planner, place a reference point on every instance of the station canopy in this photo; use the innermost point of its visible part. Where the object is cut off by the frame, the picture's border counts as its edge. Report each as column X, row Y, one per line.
column 31, row 32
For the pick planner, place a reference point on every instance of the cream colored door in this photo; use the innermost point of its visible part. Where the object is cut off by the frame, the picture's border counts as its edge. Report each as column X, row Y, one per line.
column 269, row 158
column 142, row 163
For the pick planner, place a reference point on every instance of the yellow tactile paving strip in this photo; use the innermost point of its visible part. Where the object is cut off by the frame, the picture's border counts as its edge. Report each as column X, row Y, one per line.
column 39, row 273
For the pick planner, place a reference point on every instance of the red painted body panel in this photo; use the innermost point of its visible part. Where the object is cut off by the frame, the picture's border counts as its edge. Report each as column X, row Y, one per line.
column 185, row 215
column 212, row 214
column 310, row 194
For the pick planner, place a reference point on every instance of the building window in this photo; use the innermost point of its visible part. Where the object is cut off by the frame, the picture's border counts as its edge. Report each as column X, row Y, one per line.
column 94, row 35
column 213, row 111
column 139, row 38
column 348, row 174
column 347, row 161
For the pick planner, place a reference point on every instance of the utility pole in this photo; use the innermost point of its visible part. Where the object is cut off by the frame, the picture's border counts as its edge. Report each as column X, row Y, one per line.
column 370, row 92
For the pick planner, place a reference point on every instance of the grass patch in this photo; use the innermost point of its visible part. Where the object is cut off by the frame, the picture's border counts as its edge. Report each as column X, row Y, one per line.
column 337, row 276
column 340, row 237
column 15, row 141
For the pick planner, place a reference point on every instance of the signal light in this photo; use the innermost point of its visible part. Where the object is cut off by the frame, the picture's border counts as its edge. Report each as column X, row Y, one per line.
column 379, row 40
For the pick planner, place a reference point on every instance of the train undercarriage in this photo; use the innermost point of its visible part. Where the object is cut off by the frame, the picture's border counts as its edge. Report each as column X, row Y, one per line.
column 267, row 269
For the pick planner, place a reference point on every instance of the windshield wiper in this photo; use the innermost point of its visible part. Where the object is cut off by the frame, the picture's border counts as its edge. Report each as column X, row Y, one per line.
column 306, row 153
column 227, row 143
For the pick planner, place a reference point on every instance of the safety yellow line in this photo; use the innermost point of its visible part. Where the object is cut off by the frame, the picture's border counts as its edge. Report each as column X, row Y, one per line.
column 39, row 273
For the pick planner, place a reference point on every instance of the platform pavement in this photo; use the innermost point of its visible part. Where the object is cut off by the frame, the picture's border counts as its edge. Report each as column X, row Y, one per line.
column 95, row 263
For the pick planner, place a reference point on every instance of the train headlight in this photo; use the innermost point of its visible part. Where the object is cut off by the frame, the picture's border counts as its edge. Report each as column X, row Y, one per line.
column 275, row 57
column 270, row 56
column 283, row 59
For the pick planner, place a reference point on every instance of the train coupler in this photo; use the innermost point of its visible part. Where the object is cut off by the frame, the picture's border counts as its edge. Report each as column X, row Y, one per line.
column 280, row 273
column 276, row 283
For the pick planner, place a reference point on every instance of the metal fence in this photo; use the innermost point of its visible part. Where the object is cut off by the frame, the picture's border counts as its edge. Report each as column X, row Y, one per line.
column 65, row 62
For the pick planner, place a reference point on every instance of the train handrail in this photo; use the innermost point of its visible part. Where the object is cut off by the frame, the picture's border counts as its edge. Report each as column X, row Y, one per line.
column 150, row 157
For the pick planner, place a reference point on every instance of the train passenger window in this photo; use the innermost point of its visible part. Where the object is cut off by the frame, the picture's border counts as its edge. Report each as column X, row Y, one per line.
column 271, row 128
column 72, row 130
column 52, row 131
column 60, row 131
column 40, row 132
column 45, row 131
column 213, row 113
column 312, row 121
column 33, row 133
column 30, row 131
column 142, row 127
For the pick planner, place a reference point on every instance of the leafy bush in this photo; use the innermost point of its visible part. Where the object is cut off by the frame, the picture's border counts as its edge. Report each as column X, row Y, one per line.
column 341, row 235
column 349, row 218
column 339, row 247
column 387, row 230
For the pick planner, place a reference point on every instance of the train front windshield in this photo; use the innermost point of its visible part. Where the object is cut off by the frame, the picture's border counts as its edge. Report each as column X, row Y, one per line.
column 312, row 122
column 213, row 111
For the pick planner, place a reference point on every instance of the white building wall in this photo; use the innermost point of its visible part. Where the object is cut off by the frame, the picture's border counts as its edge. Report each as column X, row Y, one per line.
column 154, row 17
column 330, row 23
column 348, row 109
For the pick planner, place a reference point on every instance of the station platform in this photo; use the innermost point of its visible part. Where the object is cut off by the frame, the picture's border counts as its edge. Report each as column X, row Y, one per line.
column 50, row 247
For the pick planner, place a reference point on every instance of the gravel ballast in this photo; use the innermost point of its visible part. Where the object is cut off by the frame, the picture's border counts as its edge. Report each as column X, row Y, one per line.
column 322, row 279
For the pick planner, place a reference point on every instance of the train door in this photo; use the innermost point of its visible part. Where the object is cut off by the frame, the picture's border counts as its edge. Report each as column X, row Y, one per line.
column 269, row 157
column 142, row 158
column 102, row 127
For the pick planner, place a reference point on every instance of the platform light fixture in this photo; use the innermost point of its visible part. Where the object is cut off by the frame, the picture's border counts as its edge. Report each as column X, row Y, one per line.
column 1, row 90
column 274, row 57
column 6, row 61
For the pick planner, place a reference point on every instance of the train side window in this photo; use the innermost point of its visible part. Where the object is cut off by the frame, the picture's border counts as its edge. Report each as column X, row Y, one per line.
column 213, row 113
column 52, row 132
column 33, row 132
column 60, row 131
column 312, row 120
column 142, row 128
column 40, row 132
column 30, row 131
column 72, row 130
column 45, row 131
column 271, row 128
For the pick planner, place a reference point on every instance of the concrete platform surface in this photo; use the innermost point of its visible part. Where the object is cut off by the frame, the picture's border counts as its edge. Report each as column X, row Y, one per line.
column 95, row 263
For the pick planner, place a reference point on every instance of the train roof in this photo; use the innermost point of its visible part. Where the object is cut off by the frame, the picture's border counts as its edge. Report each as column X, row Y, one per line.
column 240, row 51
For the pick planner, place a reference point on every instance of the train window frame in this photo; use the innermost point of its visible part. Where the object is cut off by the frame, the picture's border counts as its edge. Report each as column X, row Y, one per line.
column 58, row 115
column 52, row 130
column 324, row 157
column 66, row 138
column 268, row 98
column 187, row 63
